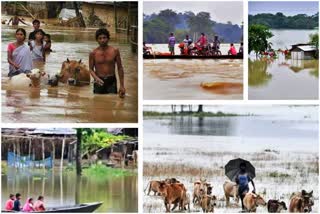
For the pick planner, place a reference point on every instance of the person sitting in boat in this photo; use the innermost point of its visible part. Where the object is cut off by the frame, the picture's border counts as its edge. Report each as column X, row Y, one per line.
column 39, row 204
column 17, row 204
column 9, row 203
column 202, row 40
column 146, row 50
column 232, row 51
column 216, row 43
column 28, row 207
column 241, row 49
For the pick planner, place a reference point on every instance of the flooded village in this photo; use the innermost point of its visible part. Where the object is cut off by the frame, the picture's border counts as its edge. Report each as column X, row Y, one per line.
column 72, row 27
column 45, row 161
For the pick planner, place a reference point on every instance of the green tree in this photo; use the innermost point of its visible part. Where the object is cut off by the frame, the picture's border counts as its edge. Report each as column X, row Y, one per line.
column 200, row 23
column 258, row 38
column 314, row 40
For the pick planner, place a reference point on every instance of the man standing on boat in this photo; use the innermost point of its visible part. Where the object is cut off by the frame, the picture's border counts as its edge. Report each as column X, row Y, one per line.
column 187, row 42
column 202, row 40
column 171, row 43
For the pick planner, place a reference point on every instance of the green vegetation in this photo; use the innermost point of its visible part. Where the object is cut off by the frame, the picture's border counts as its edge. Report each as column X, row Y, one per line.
column 103, row 171
column 94, row 139
column 193, row 114
column 4, row 167
column 280, row 21
column 278, row 175
column 314, row 40
column 258, row 74
column 258, row 38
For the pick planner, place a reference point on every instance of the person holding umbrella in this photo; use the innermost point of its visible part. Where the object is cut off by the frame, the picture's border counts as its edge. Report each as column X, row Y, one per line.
column 242, row 172
column 243, row 180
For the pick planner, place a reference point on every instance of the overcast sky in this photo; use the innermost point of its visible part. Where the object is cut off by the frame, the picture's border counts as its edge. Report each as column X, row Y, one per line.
column 286, row 7
column 219, row 11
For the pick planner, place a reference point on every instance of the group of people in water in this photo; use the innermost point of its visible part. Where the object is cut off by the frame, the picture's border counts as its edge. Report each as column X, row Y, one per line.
column 21, row 56
column 202, row 46
column 14, row 204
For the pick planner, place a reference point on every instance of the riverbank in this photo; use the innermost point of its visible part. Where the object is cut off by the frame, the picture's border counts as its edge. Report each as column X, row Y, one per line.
column 190, row 114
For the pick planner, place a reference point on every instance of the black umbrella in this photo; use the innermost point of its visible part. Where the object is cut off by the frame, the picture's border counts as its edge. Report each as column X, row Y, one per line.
column 232, row 169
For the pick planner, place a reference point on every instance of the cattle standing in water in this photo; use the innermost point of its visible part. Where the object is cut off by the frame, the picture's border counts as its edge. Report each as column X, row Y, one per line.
column 24, row 81
column 199, row 190
column 251, row 201
column 231, row 190
column 153, row 186
column 275, row 206
column 73, row 72
column 173, row 194
column 171, row 180
column 207, row 203
column 301, row 202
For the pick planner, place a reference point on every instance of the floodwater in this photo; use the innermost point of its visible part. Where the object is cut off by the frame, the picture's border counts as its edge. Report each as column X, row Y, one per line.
column 180, row 79
column 68, row 103
column 118, row 194
column 284, row 78
column 283, row 150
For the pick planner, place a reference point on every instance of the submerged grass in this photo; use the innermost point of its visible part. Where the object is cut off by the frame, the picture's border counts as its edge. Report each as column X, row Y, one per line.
column 193, row 114
column 102, row 171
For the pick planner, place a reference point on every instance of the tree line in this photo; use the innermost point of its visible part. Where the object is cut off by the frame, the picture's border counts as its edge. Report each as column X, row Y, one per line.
column 280, row 21
column 156, row 27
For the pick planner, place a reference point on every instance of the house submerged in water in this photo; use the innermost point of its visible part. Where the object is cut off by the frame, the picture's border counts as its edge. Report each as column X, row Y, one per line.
column 303, row 51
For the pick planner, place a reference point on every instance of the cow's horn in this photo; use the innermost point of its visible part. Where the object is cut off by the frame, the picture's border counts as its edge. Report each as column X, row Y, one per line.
column 80, row 60
column 68, row 60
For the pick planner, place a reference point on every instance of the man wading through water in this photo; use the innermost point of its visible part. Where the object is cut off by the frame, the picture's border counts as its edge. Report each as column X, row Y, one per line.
column 102, row 62
column 243, row 180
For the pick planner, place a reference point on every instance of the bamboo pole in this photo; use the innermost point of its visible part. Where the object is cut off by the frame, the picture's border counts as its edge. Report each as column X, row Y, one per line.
column 30, row 141
column 53, row 153
column 62, row 152
column 43, row 155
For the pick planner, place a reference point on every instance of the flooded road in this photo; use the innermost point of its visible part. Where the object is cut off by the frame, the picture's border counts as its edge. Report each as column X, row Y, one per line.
column 68, row 103
column 282, row 148
column 284, row 78
column 118, row 194
column 177, row 79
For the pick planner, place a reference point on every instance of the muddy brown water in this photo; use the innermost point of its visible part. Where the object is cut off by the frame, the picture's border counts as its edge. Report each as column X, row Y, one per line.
column 68, row 103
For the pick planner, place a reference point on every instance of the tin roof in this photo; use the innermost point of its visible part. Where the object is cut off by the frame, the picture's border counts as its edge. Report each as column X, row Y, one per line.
column 306, row 48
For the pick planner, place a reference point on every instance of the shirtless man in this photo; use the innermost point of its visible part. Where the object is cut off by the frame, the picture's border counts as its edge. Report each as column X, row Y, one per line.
column 102, row 62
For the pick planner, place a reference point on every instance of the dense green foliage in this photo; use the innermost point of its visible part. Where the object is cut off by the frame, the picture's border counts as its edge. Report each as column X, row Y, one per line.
column 94, row 139
column 157, row 27
column 280, row 21
column 102, row 171
column 314, row 40
column 258, row 38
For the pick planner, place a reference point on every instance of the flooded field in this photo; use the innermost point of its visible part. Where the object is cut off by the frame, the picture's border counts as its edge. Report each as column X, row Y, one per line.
column 68, row 103
column 284, row 78
column 177, row 79
column 64, row 189
column 282, row 147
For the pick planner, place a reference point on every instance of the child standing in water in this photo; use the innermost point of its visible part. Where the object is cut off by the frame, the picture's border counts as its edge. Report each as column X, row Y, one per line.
column 37, row 46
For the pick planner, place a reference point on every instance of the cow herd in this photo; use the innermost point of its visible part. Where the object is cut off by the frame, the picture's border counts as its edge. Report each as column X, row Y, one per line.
column 174, row 193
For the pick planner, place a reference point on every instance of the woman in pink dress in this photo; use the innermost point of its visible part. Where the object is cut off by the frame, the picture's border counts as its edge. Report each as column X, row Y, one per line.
column 28, row 207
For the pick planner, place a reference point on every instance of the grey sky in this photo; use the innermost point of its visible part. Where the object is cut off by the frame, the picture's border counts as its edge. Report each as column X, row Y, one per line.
column 219, row 11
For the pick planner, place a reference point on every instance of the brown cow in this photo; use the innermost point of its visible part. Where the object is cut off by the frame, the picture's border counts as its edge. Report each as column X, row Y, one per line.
column 275, row 206
column 173, row 194
column 231, row 190
column 251, row 201
column 207, row 203
column 153, row 186
column 171, row 180
column 199, row 190
column 72, row 70
column 301, row 202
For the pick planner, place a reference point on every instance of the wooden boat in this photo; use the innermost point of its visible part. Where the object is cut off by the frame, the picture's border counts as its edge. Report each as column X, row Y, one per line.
column 78, row 208
column 191, row 57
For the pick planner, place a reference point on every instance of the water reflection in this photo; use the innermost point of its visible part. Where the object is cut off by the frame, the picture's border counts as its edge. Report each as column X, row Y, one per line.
column 118, row 194
column 258, row 72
